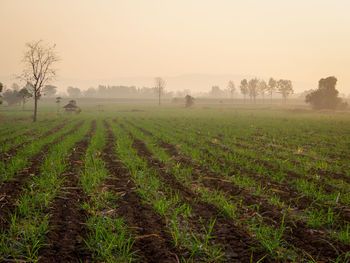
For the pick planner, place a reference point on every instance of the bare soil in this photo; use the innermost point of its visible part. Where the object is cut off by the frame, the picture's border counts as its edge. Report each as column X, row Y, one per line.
column 65, row 240
column 10, row 190
column 153, row 241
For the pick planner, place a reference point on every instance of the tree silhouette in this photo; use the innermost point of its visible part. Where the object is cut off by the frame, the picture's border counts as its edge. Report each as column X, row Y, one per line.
column 326, row 96
column 159, row 87
column 271, row 87
column 253, row 89
column 49, row 90
column 38, row 60
column 231, row 88
column 73, row 92
column 285, row 87
column 189, row 101
column 262, row 88
column 24, row 94
column 244, row 88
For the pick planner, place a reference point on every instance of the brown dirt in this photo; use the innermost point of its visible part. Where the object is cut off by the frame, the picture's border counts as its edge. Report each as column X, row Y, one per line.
column 65, row 240
column 314, row 242
column 238, row 245
column 10, row 190
column 285, row 191
column 325, row 175
column 156, row 245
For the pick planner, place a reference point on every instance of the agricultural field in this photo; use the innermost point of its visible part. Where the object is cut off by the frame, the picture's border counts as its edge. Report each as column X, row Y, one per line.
column 146, row 184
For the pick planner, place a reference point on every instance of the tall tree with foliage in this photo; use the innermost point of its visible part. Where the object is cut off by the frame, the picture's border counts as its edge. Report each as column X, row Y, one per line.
column 326, row 96
column 253, row 89
column 159, row 87
column 11, row 97
column 39, row 60
column 24, row 94
column 49, row 90
column 271, row 87
column 231, row 88
column 285, row 87
column 73, row 92
column 15, row 87
column 244, row 88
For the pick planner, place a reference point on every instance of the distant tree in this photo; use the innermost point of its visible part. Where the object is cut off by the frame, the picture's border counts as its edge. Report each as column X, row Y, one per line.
column 49, row 90
column 253, row 89
column 15, row 87
column 262, row 88
column 24, row 94
column 11, row 97
column 159, row 87
column 1, row 87
column 90, row 92
column 58, row 102
column 189, row 101
column 39, row 60
column 271, row 87
column 231, row 88
column 73, row 92
column 326, row 96
column 285, row 87
column 216, row 92
column 244, row 88
column 305, row 93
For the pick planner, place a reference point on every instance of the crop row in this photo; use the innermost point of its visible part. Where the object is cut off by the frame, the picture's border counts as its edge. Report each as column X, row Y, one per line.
column 29, row 222
column 239, row 180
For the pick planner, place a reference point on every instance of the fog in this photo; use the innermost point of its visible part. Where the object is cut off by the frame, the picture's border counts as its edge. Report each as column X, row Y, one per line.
column 192, row 44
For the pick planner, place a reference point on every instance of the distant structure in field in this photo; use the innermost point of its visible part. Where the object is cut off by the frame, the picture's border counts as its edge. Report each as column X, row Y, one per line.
column 72, row 107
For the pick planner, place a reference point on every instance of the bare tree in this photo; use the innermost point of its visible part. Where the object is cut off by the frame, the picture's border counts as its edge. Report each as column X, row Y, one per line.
column 244, row 88
column 262, row 87
column 253, row 89
column 159, row 87
column 285, row 87
column 231, row 88
column 271, row 87
column 39, row 59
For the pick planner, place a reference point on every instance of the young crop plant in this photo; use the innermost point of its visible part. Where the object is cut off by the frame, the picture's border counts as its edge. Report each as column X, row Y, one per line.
column 167, row 203
column 272, row 239
column 109, row 239
column 228, row 206
column 29, row 223
column 21, row 159
column 250, row 184
column 175, row 167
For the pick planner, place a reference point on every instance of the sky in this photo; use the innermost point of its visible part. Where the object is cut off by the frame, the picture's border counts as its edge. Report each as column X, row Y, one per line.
column 120, row 42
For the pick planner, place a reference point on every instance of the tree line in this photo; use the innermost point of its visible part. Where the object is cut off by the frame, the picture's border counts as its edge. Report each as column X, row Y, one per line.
column 38, row 72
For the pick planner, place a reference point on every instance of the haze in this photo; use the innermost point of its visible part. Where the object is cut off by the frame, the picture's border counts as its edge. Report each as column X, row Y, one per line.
column 131, row 42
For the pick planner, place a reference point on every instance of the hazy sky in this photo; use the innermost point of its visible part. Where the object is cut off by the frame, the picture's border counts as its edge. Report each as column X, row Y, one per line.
column 301, row 40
